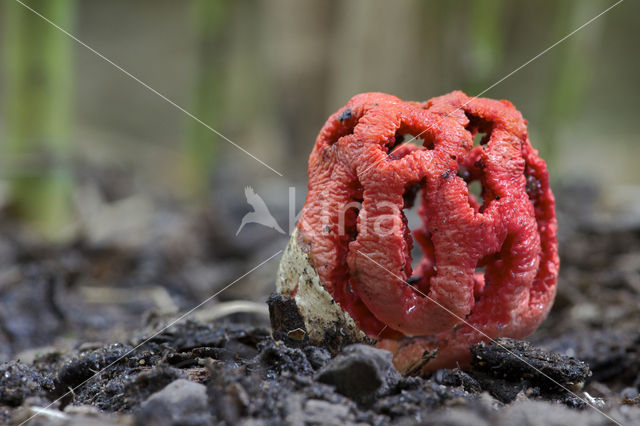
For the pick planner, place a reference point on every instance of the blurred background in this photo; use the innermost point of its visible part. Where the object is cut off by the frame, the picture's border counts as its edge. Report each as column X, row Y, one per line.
column 113, row 197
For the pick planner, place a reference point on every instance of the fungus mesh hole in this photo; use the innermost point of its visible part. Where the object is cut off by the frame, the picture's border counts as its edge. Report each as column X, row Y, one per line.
column 476, row 195
column 407, row 139
column 414, row 223
column 422, row 258
column 348, row 219
column 345, row 128
column 475, row 189
column 405, row 143
column 350, row 223
column 480, row 276
column 480, row 129
column 494, row 262
column 480, row 138
column 533, row 186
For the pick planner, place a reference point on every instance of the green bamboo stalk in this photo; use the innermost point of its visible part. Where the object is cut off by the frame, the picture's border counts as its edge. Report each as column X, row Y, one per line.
column 487, row 34
column 200, row 148
column 571, row 74
column 38, row 112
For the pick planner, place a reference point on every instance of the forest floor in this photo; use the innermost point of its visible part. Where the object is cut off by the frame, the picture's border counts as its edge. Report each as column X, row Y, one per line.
column 79, row 341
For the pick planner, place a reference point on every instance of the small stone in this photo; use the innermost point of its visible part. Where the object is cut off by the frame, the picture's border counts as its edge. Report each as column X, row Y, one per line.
column 317, row 411
column 629, row 393
column 360, row 372
column 297, row 334
column 180, row 402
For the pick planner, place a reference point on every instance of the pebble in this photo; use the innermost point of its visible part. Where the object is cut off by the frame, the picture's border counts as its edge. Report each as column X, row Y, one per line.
column 360, row 372
column 180, row 402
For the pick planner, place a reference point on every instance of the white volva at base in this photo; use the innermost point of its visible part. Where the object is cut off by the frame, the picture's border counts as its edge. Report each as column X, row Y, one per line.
column 321, row 313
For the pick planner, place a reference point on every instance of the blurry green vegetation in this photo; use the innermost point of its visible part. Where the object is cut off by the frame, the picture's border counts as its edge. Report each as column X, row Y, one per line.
column 487, row 41
column 200, row 148
column 38, row 113
column 570, row 73
column 267, row 74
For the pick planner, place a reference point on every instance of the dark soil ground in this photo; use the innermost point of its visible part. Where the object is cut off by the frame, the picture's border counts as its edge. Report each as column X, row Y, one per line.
column 69, row 312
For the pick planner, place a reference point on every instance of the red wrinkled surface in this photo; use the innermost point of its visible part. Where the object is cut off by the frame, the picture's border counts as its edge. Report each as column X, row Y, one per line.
column 491, row 262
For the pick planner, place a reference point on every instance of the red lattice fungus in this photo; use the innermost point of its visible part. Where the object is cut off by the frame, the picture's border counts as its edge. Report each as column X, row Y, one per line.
column 490, row 262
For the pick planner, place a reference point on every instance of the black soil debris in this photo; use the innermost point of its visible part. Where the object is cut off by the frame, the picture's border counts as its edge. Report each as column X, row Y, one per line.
column 515, row 360
column 127, row 361
column 19, row 381
column 506, row 367
column 286, row 321
column 276, row 383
